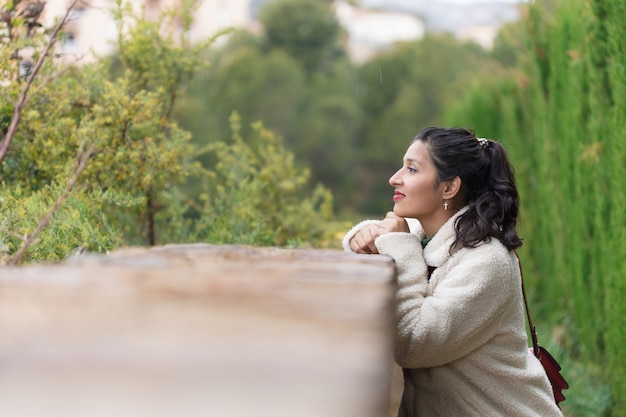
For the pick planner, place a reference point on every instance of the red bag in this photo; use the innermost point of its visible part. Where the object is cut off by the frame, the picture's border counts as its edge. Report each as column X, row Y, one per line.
column 550, row 365
column 552, row 368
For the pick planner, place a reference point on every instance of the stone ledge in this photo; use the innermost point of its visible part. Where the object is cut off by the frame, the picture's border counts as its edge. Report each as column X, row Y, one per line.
column 198, row 330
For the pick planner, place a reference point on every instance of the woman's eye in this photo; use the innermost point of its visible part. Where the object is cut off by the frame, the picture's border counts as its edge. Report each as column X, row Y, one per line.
column 411, row 170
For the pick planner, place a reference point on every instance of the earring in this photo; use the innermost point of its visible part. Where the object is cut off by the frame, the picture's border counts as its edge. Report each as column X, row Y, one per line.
column 445, row 205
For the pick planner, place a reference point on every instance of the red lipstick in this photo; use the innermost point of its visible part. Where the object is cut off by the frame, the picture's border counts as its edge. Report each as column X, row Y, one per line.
column 398, row 196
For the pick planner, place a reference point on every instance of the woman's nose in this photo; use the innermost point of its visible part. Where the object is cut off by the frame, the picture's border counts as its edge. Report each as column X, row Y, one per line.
column 394, row 180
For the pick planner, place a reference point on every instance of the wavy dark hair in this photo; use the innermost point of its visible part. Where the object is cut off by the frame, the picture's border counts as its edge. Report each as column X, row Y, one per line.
column 487, row 184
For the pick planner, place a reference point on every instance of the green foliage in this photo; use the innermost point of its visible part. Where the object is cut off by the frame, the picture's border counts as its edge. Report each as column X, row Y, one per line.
column 155, row 67
column 245, row 80
column 316, row 113
column 132, row 189
column 137, row 148
column 588, row 393
column 81, row 225
column 306, row 29
column 153, row 57
column 560, row 113
column 509, row 44
column 256, row 194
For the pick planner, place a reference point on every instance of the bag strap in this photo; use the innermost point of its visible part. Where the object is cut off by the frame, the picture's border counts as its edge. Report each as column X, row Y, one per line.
column 533, row 331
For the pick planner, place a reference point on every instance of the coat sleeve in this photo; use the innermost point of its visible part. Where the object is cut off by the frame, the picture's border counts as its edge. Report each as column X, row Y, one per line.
column 346, row 239
column 461, row 314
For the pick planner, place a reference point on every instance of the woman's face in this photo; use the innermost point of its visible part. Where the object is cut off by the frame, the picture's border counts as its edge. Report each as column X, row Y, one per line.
column 416, row 195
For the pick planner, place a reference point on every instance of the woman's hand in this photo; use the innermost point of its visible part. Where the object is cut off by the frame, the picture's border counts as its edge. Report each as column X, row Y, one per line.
column 363, row 240
column 394, row 223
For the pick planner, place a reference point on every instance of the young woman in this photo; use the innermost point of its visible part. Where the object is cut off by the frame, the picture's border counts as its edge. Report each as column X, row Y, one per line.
column 461, row 336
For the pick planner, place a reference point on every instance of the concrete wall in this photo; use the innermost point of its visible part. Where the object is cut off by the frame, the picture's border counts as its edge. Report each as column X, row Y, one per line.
column 198, row 330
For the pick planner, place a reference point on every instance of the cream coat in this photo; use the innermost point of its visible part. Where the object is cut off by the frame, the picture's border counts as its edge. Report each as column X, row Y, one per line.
column 461, row 337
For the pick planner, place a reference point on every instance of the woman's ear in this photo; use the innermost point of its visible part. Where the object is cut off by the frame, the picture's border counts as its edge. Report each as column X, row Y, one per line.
column 452, row 188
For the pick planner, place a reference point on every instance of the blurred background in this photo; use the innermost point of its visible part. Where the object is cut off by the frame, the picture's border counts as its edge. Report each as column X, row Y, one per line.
column 346, row 84
column 279, row 122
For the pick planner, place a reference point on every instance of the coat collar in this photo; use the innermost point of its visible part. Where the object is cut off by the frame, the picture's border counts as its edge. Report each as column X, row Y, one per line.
column 437, row 252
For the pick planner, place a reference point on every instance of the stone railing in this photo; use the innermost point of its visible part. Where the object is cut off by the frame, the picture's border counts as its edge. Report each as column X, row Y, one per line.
column 198, row 330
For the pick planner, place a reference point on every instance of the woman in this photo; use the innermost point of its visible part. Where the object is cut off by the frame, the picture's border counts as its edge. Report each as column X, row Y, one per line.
column 461, row 335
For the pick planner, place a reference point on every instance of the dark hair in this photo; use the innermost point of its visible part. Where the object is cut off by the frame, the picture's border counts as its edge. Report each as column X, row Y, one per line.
column 488, row 184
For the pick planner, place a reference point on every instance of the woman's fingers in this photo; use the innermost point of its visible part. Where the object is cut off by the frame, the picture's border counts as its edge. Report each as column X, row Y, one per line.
column 363, row 241
column 371, row 235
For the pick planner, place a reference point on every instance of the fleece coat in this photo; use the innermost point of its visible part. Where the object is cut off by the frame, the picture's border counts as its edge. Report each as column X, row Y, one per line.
column 460, row 335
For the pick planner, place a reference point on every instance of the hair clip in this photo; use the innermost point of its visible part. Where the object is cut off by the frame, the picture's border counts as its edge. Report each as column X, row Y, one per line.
column 483, row 142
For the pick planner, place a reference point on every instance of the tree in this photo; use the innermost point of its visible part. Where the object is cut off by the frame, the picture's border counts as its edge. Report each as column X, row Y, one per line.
column 256, row 194
column 115, row 137
column 509, row 44
column 269, row 87
column 162, row 66
column 272, row 79
column 305, row 29
column 95, row 163
column 29, row 76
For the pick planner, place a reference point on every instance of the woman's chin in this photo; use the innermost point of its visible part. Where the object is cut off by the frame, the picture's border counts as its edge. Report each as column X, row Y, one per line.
column 399, row 212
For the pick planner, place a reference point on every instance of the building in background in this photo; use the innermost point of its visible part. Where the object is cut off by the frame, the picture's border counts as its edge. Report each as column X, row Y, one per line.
column 371, row 31
column 92, row 32
column 475, row 21
column 373, row 26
